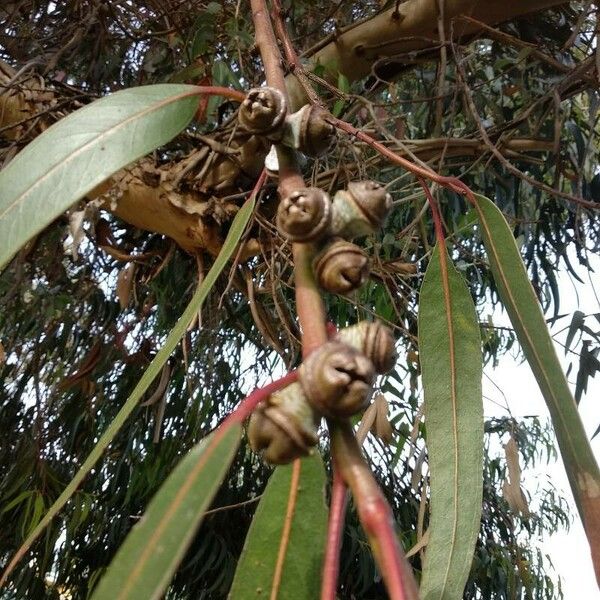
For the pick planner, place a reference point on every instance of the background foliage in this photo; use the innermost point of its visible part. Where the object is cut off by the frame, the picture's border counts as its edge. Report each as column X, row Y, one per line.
column 78, row 326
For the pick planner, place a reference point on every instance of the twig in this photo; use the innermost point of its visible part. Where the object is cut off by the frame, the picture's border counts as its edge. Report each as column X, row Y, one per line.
column 335, row 529
column 374, row 512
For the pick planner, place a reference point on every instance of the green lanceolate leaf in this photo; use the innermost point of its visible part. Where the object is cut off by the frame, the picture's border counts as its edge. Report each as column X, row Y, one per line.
column 154, row 368
column 451, row 367
column 527, row 318
column 284, row 550
column 145, row 563
column 80, row 151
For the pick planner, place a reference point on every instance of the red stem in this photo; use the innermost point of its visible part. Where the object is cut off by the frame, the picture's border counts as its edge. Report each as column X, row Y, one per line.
column 337, row 512
column 437, row 219
column 216, row 90
column 374, row 513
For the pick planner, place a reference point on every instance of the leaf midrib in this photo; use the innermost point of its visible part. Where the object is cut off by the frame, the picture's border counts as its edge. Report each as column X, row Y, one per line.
column 286, row 529
column 72, row 156
column 513, row 303
column 453, row 394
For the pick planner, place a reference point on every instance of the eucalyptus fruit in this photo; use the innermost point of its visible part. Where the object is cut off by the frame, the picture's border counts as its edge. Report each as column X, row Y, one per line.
column 284, row 427
column 305, row 215
column 337, row 380
column 341, row 267
column 263, row 112
column 374, row 340
column 308, row 130
column 360, row 209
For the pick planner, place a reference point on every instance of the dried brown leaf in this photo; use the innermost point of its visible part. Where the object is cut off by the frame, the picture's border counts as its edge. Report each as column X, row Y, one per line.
column 382, row 428
column 125, row 285
column 511, row 488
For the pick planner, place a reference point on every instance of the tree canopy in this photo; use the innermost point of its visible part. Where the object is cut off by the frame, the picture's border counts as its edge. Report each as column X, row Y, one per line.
column 502, row 95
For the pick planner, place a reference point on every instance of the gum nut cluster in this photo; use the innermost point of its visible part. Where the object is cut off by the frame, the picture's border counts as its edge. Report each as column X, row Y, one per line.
column 264, row 112
column 309, row 215
column 335, row 381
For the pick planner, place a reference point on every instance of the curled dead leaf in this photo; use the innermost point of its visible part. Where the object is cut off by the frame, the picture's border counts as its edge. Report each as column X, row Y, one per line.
column 125, row 285
column 511, row 489
column 382, row 428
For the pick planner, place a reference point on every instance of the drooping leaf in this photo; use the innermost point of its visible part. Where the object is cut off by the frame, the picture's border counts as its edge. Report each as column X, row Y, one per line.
column 527, row 318
column 284, row 549
column 147, row 559
column 511, row 489
column 154, row 368
column 80, row 151
column 575, row 326
column 451, row 367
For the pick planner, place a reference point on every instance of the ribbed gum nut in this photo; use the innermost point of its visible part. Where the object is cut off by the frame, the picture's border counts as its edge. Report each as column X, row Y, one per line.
column 316, row 134
column 304, row 215
column 268, row 440
column 263, row 111
column 337, row 380
column 284, row 427
column 341, row 267
column 361, row 209
column 374, row 340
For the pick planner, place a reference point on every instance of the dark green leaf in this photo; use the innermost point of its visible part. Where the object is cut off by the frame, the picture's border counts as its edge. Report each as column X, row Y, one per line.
column 451, row 366
column 145, row 563
column 281, row 563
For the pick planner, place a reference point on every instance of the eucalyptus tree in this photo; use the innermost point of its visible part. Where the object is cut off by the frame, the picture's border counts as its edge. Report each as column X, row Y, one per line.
column 149, row 285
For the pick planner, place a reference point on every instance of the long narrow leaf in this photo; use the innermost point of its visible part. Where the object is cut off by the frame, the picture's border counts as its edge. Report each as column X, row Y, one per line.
column 154, row 368
column 527, row 318
column 146, row 561
column 80, row 151
column 284, row 550
column 451, row 366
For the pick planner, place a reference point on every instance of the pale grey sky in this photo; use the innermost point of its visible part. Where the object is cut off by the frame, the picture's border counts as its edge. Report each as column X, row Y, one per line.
column 568, row 550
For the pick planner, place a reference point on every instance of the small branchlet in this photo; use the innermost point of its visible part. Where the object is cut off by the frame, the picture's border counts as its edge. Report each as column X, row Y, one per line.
column 337, row 380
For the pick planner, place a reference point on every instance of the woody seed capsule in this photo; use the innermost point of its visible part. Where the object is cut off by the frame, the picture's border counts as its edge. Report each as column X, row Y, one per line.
column 341, row 267
column 360, row 210
column 263, row 112
column 304, row 215
column 337, row 380
column 375, row 340
column 283, row 427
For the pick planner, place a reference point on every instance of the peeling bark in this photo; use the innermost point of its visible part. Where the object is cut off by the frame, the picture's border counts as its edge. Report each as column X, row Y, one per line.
column 413, row 26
